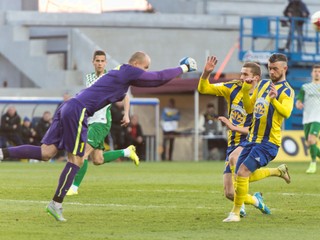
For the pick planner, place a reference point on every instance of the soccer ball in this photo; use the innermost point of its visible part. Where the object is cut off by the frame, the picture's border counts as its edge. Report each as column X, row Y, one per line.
column 315, row 19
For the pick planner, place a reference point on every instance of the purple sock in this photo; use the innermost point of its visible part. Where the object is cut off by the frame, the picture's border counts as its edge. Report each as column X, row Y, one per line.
column 23, row 151
column 65, row 181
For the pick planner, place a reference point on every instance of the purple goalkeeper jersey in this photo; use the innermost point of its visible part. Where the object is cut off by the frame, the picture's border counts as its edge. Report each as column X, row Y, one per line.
column 69, row 126
column 113, row 86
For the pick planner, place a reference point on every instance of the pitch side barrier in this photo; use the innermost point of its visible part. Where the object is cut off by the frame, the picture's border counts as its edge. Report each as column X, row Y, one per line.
column 33, row 107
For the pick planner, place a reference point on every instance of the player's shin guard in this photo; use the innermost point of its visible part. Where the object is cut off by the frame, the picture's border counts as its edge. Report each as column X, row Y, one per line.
column 80, row 175
column 65, row 181
column 23, row 151
column 241, row 192
column 259, row 174
column 249, row 200
column 313, row 152
column 110, row 156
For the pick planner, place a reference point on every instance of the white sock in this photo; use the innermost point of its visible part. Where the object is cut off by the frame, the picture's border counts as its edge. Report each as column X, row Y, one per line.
column 57, row 204
column 256, row 202
column 74, row 188
column 1, row 154
column 126, row 152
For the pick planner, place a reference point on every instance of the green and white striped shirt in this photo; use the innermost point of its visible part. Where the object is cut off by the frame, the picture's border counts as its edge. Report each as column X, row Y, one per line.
column 310, row 96
column 101, row 115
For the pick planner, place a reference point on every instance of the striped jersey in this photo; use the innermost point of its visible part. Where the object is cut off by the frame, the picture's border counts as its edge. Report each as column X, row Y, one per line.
column 310, row 96
column 268, row 115
column 231, row 91
column 101, row 115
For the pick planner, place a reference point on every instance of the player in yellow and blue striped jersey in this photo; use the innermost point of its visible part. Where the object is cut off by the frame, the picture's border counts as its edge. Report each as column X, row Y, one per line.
column 270, row 103
column 238, row 123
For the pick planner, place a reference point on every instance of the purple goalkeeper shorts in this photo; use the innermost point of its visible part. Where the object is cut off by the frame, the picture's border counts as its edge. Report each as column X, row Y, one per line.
column 68, row 130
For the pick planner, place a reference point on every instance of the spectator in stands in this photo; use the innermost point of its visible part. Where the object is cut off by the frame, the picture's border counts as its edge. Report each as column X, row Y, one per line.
column 134, row 136
column 117, row 130
column 211, row 127
column 296, row 9
column 11, row 127
column 27, row 132
column 42, row 126
column 209, row 123
column 170, row 117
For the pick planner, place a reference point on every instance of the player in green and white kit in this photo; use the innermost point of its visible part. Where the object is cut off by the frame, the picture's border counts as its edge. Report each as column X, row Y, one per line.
column 309, row 101
column 99, row 127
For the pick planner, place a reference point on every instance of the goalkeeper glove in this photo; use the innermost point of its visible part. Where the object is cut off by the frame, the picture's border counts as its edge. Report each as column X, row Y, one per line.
column 188, row 64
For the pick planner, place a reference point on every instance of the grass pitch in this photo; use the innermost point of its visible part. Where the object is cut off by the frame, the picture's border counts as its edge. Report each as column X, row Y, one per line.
column 165, row 200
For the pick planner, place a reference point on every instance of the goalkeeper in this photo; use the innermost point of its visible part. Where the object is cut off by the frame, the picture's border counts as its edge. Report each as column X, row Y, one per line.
column 99, row 128
column 68, row 130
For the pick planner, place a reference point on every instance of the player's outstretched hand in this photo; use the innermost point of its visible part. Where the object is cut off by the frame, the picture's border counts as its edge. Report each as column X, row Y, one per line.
column 190, row 63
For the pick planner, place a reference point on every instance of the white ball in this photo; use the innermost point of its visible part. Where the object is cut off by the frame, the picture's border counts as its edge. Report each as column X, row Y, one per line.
column 315, row 19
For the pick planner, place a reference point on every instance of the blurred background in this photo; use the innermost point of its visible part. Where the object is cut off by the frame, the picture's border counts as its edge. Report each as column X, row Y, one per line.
column 46, row 49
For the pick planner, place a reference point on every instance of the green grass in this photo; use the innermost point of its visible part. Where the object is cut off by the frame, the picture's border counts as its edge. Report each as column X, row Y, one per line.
column 154, row 201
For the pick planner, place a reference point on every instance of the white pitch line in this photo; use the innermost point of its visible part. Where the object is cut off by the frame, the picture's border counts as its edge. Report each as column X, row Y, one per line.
column 110, row 205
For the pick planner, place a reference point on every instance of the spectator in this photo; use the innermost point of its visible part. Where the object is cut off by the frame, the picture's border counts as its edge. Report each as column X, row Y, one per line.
column 11, row 127
column 117, row 131
column 209, row 123
column 170, row 119
column 27, row 132
column 211, row 127
column 134, row 136
column 42, row 126
column 296, row 9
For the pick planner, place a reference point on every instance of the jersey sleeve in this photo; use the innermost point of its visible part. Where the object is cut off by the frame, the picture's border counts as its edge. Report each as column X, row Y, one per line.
column 284, row 104
column 301, row 94
column 218, row 89
column 156, row 78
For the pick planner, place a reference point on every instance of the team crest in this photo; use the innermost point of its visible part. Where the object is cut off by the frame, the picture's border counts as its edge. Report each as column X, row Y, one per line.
column 260, row 108
column 237, row 115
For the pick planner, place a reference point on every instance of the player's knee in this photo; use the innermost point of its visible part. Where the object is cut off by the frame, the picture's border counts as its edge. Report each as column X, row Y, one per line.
column 98, row 162
column 232, row 161
column 46, row 157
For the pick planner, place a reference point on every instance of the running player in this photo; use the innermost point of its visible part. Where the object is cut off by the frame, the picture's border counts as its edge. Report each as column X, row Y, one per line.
column 69, row 127
column 239, row 124
column 309, row 101
column 271, row 103
column 99, row 127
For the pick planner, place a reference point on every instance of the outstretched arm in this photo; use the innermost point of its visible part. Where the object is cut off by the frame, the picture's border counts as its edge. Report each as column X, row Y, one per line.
column 159, row 78
column 204, row 85
column 233, row 128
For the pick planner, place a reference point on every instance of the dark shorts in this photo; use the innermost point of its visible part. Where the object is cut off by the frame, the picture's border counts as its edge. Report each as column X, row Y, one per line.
column 68, row 130
column 256, row 155
column 229, row 151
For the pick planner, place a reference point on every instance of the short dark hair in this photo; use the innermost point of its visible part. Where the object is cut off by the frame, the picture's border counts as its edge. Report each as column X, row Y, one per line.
column 98, row 53
column 278, row 57
column 316, row 66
